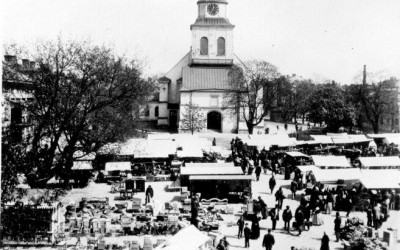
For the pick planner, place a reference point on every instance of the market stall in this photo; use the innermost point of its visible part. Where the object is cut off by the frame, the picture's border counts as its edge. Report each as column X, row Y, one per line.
column 116, row 170
column 346, row 176
column 210, row 164
column 233, row 187
column 187, row 172
column 189, row 238
column 387, row 162
column 329, row 161
column 388, row 179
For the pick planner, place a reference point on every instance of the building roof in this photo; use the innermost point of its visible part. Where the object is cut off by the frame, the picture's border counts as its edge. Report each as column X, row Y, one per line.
column 211, row 171
column 214, row 22
column 205, row 78
column 82, row 165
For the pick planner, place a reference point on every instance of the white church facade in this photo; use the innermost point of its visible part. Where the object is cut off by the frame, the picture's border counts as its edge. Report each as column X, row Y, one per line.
column 202, row 74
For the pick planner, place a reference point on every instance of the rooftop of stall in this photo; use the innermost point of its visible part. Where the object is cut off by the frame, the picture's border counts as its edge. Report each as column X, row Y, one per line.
column 386, row 138
column 114, row 169
column 386, row 162
column 344, row 176
column 189, row 238
column 330, row 161
column 210, row 164
column 322, row 139
column 388, row 178
column 82, row 166
column 220, row 186
column 187, row 172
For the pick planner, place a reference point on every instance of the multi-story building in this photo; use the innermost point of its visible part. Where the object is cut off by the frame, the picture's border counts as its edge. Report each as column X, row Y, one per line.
column 16, row 91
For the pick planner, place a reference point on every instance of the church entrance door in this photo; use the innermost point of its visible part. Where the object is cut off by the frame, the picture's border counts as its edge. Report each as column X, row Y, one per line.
column 214, row 121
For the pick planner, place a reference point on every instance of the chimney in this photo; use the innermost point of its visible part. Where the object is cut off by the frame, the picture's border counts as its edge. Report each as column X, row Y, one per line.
column 365, row 75
column 32, row 64
column 25, row 64
column 10, row 59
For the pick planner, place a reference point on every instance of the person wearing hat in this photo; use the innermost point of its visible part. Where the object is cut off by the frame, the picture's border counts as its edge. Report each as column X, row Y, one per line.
column 247, row 235
column 149, row 194
column 264, row 207
column 287, row 216
column 274, row 213
column 223, row 244
column 272, row 183
column 240, row 224
column 325, row 242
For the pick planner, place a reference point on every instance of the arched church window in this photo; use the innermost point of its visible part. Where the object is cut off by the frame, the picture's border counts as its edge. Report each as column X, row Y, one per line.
column 221, row 46
column 204, row 46
column 156, row 111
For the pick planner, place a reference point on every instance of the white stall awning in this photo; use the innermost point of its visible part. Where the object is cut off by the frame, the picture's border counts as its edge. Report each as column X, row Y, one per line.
column 211, row 171
column 210, row 164
column 331, row 176
column 118, row 166
column 82, row 165
column 388, row 179
column 330, row 161
column 380, row 162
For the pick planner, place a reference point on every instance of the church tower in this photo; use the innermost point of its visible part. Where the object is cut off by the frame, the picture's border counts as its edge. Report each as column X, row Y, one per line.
column 212, row 35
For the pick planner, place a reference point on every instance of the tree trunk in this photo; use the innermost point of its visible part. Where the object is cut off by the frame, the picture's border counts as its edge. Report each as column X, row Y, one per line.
column 250, row 128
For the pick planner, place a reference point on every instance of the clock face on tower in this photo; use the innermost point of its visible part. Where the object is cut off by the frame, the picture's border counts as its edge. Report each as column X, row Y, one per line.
column 212, row 9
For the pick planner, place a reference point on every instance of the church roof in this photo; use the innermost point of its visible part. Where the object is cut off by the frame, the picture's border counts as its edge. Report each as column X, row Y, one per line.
column 205, row 78
column 205, row 22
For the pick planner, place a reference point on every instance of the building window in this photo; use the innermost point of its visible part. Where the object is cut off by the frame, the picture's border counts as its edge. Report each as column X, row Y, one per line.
column 214, row 101
column 156, row 111
column 221, row 46
column 204, row 46
column 147, row 111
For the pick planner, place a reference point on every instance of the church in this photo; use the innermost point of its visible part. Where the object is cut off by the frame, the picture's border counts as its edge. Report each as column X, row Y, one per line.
column 201, row 75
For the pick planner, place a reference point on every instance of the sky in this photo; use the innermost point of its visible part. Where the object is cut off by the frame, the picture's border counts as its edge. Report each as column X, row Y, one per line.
column 316, row 39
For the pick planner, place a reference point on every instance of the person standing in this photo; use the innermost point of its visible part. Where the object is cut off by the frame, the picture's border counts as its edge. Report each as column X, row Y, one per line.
column 279, row 196
column 258, row 172
column 325, row 242
column 274, row 213
column 247, row 235
column 338, row 223
column 377, row 216
column 272, row 183
column 299, row 216
column 287, row 217
column 149, row 194
column 268, row 240
column 240, row 224
column 369, row 215
column 264, row 207
column 214, row 142
column 293, row 188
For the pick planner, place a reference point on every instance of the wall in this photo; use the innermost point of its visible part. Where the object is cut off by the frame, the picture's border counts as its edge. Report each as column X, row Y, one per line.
column 212, row 33
column 175, row 74
column 203, row 100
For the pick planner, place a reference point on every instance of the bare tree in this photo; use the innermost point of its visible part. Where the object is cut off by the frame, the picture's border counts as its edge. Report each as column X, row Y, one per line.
column 193, row 119
column 84, row 96
column 252, row 91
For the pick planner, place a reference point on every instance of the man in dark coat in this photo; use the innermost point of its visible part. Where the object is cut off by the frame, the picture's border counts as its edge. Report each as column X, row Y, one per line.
column 274, row 213
column 268, row 241
column 247, row 235
column 240, row 224
column 272, row 183
column 338, row 222
column 258, row 172
column 287, row 217
column 149, row 194
column 325, row 242
column 299, row 216
column 264, row 207
column 293, row 188
column 279, row 196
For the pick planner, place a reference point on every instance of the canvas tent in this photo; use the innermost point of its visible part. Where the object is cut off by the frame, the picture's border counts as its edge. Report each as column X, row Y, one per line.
column 380, row 162
column 329, row 161
column 210, row 164
column 322, row 139
column 82, row 165
column 388, row 179
column 118, row 166
column 337, row 176
column 189, row 238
